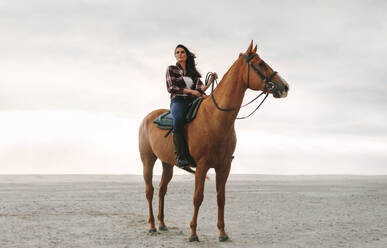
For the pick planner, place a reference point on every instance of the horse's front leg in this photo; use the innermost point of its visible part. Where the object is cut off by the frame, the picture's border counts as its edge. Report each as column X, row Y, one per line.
column 200, row 176
column 221, row 179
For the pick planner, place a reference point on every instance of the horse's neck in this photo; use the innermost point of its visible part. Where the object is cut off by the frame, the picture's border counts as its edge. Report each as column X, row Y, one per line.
column 228, row 94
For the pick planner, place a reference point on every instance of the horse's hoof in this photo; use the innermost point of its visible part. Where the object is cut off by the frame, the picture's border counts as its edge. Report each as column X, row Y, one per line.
column 163, row 228
column 152, row 230
column 193, row 239
column 223, row 238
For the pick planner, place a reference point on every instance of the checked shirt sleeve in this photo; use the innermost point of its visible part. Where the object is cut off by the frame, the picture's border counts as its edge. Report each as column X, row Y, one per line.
column 175, row 81
column 199, row 85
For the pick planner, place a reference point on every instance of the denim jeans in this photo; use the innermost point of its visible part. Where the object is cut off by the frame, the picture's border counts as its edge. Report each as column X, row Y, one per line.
column 179, row 107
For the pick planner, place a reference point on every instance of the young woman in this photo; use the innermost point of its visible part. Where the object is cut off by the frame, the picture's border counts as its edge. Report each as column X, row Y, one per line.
column 184, row 85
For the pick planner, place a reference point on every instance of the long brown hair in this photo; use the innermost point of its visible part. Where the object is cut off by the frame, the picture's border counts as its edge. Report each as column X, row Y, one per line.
column 190, row 64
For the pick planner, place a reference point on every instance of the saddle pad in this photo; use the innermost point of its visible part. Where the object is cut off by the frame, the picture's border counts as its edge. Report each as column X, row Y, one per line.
column 165, row 121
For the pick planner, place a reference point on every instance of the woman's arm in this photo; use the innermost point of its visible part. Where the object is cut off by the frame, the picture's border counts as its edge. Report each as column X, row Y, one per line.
column 192, row 92
column 175, row 81
column 200, row 88
column 212, row 79
column 205, row 87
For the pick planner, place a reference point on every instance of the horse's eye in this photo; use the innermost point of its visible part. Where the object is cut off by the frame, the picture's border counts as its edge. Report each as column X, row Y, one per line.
column 262, row 64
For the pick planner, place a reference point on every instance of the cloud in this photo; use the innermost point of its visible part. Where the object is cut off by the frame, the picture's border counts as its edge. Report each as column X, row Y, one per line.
column 103, row 56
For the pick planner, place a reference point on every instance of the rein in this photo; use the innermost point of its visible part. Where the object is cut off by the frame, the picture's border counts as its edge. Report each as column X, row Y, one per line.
column 268, row 86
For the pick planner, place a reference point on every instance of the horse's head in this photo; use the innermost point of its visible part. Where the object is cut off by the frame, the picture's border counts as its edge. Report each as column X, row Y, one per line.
column 260, row 76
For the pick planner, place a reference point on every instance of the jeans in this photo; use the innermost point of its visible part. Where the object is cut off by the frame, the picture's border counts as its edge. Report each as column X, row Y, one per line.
column 179, row 107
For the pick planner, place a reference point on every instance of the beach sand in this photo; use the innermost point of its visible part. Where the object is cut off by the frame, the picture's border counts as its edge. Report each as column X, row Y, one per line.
column 261, row 211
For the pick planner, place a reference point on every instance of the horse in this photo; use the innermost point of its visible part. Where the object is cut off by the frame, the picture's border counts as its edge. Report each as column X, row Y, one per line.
column 211, row 136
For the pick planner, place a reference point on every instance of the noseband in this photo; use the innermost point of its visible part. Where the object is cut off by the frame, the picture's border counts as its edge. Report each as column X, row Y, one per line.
column 268, row 86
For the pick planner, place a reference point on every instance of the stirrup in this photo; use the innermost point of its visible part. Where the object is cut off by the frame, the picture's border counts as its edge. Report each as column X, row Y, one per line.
column 191, row 161
column 184, row 165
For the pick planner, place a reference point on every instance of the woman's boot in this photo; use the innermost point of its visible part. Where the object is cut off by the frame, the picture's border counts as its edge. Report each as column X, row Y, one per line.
column 179, row 142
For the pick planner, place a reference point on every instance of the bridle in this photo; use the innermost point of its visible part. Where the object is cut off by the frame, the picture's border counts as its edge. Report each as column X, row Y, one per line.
column 268, row 86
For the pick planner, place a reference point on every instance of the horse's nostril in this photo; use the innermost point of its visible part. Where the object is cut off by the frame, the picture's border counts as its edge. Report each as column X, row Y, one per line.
column 286, row 88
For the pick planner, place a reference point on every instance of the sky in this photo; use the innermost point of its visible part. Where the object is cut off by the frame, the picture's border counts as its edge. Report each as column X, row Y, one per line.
column 77, row 78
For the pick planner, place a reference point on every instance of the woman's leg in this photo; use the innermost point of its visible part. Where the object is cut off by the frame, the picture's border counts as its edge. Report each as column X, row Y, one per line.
column 178, row 109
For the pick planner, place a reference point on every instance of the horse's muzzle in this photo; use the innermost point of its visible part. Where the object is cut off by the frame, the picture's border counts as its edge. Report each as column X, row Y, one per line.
column 281, row 89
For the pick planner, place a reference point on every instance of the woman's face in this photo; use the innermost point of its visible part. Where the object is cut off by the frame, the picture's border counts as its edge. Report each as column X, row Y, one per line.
column 180, row 54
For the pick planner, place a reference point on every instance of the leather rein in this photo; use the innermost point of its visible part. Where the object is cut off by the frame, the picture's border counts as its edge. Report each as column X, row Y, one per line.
column 268, row 86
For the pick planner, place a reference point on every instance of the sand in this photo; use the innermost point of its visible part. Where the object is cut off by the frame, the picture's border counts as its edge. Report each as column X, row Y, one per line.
column 261, row 211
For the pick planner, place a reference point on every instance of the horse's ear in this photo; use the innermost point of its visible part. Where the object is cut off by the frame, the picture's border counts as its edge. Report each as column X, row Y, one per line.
column 255, row 49
column 250, row 48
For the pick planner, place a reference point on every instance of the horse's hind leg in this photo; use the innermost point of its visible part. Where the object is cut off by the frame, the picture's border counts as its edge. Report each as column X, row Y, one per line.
column 148, row 162
column 165, row 179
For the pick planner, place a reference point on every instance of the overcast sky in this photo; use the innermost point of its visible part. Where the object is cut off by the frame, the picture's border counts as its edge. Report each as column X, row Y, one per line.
column 77, row 77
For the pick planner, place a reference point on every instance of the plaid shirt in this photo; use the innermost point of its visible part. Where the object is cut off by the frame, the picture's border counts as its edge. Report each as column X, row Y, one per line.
column 176, row 84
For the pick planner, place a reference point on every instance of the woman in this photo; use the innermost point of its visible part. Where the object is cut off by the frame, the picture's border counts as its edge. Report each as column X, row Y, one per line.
column 184, row 85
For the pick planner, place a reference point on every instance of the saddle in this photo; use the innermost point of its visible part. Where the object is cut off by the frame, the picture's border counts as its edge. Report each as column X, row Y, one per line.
column 165, row 121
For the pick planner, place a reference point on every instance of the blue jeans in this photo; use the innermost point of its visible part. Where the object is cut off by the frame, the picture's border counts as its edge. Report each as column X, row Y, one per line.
column 179, row 107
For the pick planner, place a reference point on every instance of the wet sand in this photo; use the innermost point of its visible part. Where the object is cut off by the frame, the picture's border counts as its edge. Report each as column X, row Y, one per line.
column 261, row 211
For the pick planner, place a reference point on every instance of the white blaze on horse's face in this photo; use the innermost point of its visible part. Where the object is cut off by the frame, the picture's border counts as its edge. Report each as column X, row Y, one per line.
column 269, row 80
column 276, row 84
column 283, row 93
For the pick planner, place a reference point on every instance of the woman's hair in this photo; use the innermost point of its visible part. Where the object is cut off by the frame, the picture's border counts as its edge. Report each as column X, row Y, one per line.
column 190, row 64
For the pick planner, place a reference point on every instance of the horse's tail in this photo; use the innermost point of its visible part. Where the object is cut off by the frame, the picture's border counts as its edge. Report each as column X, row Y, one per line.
column 188, row 169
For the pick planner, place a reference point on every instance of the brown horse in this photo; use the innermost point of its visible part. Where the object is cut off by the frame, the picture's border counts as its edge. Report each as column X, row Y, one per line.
column 210, row 136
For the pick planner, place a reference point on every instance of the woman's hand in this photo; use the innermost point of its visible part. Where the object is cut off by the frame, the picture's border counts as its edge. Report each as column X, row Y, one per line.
column 213, row 77
column 195, row 93
column 211, row 80
column 192, row 92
